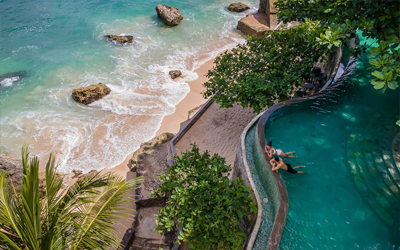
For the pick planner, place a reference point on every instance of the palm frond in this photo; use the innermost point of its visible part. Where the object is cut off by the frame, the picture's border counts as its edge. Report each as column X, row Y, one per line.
column 96, row 228
column 10, row 234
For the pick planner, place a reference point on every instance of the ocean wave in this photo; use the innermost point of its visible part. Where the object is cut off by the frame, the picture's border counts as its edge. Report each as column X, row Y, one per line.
column 103, row 133
column 9, row 81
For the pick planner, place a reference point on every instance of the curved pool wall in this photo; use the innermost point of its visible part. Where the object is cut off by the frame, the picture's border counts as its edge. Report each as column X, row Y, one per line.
column 350, row 197
column 270, row 191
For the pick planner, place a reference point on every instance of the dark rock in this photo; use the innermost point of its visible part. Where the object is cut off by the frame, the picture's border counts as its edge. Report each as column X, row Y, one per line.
column 175, row 74
column 19, row 74
column 89, row 94
column 238, row 7
column 121, row 39
column 170, row 15
column 76, row 173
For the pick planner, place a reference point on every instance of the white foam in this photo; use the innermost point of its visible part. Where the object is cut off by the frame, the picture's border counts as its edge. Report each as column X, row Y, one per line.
column 9, row 81
column 103, row 133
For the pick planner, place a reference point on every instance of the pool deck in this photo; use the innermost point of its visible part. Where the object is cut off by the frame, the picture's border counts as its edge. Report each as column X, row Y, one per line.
column 216, row 130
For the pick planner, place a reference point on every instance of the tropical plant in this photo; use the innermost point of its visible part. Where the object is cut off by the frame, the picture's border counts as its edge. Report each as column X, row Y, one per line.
column 205, row 203
column 265, row 70
column 80, row 217
column 377, row 19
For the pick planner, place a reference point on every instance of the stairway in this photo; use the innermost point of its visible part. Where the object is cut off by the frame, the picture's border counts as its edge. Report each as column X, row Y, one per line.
column 376, row 171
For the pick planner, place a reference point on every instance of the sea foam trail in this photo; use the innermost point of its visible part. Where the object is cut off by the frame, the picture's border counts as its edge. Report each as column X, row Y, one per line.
column 102, row 134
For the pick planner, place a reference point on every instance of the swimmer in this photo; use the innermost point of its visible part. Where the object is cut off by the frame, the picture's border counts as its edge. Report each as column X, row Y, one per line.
column 277, row 163
column 279, row 152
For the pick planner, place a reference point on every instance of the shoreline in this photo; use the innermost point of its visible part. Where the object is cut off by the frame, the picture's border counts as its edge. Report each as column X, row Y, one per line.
column 171, row 123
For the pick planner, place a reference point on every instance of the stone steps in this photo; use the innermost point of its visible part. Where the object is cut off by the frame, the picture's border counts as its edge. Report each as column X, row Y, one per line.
column 389, row 162
column 396, row 150
column 376, row 175
column 365, row 183
column 380, row 195
column 385, row 174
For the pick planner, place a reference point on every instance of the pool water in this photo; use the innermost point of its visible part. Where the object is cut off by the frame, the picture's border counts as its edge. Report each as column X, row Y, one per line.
column 349, row 142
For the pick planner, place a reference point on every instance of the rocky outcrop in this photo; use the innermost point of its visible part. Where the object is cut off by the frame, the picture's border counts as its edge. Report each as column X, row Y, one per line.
column 170, row 15
column 254, row 24
column 19, row 74
column 175, row 74
column 121, row 39
column 238, row 7
column 15, row 173
column 147, row 146
column 89, row 94
column 149, row 162
column 13, row 167
column 78, row 174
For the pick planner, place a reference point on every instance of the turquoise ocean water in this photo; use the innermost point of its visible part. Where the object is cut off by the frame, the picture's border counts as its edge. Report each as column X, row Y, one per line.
column 62, row 46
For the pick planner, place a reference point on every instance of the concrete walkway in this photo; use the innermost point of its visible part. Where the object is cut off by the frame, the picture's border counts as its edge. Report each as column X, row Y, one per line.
column 218, row 131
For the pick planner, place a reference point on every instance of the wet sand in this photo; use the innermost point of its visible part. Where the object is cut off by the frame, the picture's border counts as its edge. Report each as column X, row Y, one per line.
column 172, row 122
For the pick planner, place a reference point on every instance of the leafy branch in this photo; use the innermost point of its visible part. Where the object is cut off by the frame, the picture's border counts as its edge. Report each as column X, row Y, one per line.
column 204, row 202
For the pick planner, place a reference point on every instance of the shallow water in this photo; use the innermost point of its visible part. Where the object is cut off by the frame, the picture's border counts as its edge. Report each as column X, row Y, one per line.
column 339, row 203
column 62, row 46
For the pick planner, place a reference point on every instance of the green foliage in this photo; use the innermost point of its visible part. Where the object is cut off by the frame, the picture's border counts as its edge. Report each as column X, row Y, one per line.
column 377, row 19
column 80, row 217
column 204, row 201
column 265, row 69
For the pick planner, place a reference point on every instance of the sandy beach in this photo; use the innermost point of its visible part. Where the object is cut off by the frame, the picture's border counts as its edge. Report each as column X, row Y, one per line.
column 172, row 122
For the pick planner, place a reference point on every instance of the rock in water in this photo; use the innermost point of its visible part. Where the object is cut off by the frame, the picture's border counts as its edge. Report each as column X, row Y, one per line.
column 89, row 94
column 175, row 74
column 238, row 7
column 7, row 80
column 170, row 15
column 121, row 39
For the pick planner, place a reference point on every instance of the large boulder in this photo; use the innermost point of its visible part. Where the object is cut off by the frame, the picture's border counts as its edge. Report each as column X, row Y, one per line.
column 238, row 7
column 175, row 74
column 89, row 94
column 121, row 39
column 170, row 15
column 254, row 24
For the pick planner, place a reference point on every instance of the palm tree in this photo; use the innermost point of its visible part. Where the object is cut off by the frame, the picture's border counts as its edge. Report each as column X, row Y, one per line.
column 80, row 217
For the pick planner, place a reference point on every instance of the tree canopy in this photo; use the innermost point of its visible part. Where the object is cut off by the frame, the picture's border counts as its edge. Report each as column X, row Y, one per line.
column 377, row 19
column 268, row 69
column 204, row 202
column 265, row 69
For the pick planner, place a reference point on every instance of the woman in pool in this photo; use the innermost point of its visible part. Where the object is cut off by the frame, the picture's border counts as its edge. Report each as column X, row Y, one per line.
column 271, row 151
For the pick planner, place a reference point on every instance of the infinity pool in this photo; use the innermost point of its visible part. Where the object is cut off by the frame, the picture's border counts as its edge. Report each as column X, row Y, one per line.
column 349, row 198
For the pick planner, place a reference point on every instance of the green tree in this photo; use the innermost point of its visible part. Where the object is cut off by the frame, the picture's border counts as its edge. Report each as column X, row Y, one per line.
column 204, row 201
column 80, row 217
column 265, row 69
column 377, row 19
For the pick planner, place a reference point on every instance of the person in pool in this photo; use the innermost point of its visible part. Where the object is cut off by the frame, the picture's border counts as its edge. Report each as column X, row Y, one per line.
column 271, row 151
column 278, row 163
